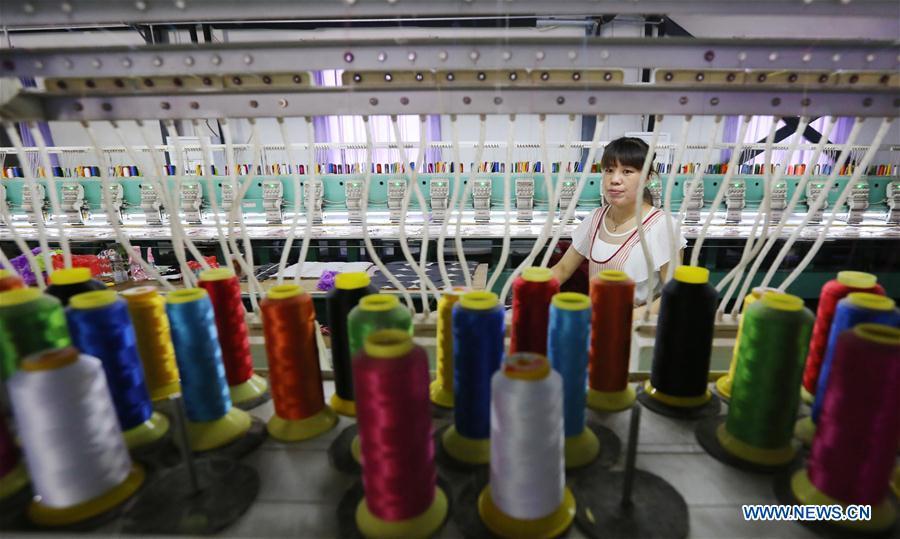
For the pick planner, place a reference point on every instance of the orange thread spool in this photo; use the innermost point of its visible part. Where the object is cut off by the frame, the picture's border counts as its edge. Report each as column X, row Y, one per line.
column 9, row 281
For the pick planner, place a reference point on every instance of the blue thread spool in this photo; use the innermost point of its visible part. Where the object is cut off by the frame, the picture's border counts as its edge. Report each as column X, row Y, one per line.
column 101, row 327
column 568, row 341
column 856, row 308
column 478, row 332
column 212, row 421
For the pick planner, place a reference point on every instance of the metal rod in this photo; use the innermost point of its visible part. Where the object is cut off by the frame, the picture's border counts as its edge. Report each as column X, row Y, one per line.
column 631, row 455
column 183, row 442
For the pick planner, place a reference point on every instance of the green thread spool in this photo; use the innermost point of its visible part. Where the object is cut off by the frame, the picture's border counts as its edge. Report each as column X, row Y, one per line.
column 30, row 322
column 765, row 396
column 374, row 312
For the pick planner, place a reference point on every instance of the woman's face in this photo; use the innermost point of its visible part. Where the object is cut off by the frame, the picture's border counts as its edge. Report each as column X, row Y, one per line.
column 620, row 184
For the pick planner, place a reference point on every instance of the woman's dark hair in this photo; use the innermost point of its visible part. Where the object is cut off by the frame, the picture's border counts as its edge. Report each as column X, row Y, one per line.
column 628, row 152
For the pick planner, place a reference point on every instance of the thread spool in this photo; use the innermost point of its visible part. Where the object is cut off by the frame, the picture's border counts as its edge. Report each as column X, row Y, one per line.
column 861, row 404
column 681, row 354
column 248, row 390
column 567, row 344
column 526, row 496
column 65, row 283
column 723, row 384
column 289, row 325
column 73, row 445
column 442, row 386
column 13, row 477
column 30, row 322
column 478, row 332
column 832, row 292
column 759, row 427
column 612, row 300
column 147, row 309
column 402, row 498
column 348, row 289
column 212, row 421
column 532, row 292
column 100, row 327
column 374, row 312
column 10, row 281
column 855, row 308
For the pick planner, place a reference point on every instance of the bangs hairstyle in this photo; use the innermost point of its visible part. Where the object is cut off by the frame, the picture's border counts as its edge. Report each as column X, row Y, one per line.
column 629, row 152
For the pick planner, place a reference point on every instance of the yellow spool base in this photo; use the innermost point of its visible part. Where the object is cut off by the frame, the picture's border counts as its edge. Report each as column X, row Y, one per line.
column 806, row 396
column 465, row 449
column 805, row 430
column 756, row 455
column 441, row 395
column 420, row 527
column 581, row 449
column 356, row 450
column 253, row 388
column 208, row 435
column 343, row 407
column 723, row 386
column 883, row 515
column 672, row 400
column 504, row 525
column 295, row 430
column 166, row 391
column 14, row 481
column 147, row 432
column 611, row 401
column 51, row 516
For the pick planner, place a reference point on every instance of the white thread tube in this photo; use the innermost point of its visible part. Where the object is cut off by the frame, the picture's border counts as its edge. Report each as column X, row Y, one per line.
column 454, row 197
column 54, row 198
column 639, row 219
column 211, row 189
column 507, row 176
column 70, row 434
column 561, row 176
column 667, row 199
column 527, row 443
column 473, row 177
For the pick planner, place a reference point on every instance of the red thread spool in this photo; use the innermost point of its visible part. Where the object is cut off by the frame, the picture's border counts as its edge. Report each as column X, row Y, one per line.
column 532, row 293
column 612, row 301
column 289, row 326
column 853, row 453
column 9, row 281
column 394, row 418
column 225, row 293
column 833, row 291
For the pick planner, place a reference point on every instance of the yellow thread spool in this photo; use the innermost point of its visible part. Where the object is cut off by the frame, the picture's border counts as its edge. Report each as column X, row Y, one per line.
column 147, row 308
column 442, row 386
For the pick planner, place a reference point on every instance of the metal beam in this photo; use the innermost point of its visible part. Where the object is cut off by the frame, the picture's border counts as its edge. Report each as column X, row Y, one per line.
column 451, row 54
column 67, row 13
column 623, row 99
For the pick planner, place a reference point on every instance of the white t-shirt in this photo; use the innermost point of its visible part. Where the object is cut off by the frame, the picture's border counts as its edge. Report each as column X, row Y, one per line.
column 629, row 256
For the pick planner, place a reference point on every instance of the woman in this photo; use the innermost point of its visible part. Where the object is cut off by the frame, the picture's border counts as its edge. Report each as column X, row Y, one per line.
column 608, row 237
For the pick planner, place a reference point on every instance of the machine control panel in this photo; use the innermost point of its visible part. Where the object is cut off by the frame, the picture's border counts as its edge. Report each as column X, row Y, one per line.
column 813, row 191
column 655, row 188
column 566, row 192
column 893, row 202
column 191, row 202
column 777, row 201
column 396, row 193
column 151, row 204
column 273, row 202
column 72, row 204
column 440, row 198
column 353, row 195
column 481, row 198
column 858, row 202
column 313, row 190
column 34, row 197
column 524, row 199
column 692, row 201
column 735, row 200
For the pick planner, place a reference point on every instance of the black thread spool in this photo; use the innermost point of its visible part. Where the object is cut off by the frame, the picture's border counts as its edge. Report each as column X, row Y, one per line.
column 678, row 385
column 65, row 283
column 349, row 288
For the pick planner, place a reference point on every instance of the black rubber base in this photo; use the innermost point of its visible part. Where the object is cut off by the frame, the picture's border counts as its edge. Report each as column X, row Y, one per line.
column 447, row 463
column 781, row 486
column 610, row 449
column 168, row 506
column 441, row 413
column 12, row 510
column 710, row 409
column 241, row 447
column 159, row 455
column 340, row 454
column 706, row 435
column 656, row 511
column 716, row 392
column 253, row 403
column 346, row 510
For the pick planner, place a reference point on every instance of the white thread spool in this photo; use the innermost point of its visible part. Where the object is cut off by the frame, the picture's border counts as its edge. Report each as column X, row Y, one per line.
column 71, row 437
column 527, row 451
